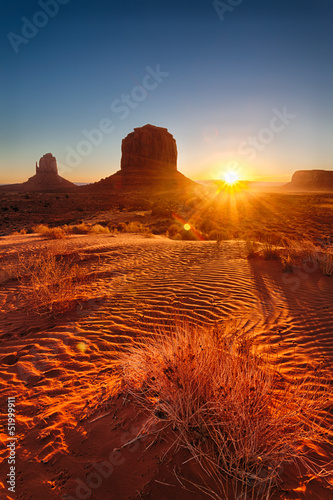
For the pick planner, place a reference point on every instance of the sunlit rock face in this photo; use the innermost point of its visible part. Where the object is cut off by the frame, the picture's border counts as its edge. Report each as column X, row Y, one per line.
column 149, row 151
column 313, row 179
column 47, row 177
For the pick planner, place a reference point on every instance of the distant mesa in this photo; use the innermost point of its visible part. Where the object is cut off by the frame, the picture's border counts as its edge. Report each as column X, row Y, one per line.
column 47, row 177
column 148, row 161
column 310, row 180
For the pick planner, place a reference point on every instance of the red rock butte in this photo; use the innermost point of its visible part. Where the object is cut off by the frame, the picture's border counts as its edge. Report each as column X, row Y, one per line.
column 149, row 150
column 47, row 177
column 310, row 180
column 148, row 161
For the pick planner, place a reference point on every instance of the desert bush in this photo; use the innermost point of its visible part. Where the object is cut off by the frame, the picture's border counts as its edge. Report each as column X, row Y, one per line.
column 161, row 226
column 173, row 230
column 122, row 227
column 219, row 235
column 326, row 264
column 50, row 281
column 53, row 233
column 251, row 248
column 79, row 229
column 137, row 227
column 287, row 263
column 270, row 251
column 228, row 404
column 99, row 229
column 113, row 228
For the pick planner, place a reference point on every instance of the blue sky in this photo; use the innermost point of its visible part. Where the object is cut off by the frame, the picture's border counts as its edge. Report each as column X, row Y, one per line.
column 226, row 76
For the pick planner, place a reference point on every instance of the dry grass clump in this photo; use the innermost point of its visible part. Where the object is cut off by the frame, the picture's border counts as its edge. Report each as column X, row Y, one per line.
column 99, row 229
column 326, row 264
column 54, row 233
column 287, row 263
column 64, row 231
column 136, row 227
column 51, row 281
column 251, row 248
column 219, row 235
column 270, row 251
column 79, row 229
column 306, row 255
column 228, row 405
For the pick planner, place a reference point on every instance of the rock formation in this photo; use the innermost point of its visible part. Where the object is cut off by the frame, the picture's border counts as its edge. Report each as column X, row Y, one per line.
column 149, row 150
column 47, row 164
column 148, row 162
column 47, row 177
column 311, row 180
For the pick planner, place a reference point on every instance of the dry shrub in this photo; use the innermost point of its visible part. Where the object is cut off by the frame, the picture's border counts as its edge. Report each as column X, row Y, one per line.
column 326, row 264
column 173, row 230
column 251, row 248
column 137, row 227
column 51, row 281
column 306, row 253
column 287, row 263
column 228, row 405
column 54, row 233
column 99, row 229
column 79, row 229
column 219, row 235
column 270, row 251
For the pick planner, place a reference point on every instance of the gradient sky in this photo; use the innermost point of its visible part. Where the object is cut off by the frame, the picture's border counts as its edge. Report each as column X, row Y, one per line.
column 226, row 76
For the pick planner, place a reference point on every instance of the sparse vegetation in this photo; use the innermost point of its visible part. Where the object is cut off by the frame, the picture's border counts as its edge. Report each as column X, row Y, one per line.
column 270, row 251
column 99, row 229
column 251, row 248
column 287, row 263
column 137, row 227
column 54, row 233
column 326, row 264
column 228, row 404
column 51, row 281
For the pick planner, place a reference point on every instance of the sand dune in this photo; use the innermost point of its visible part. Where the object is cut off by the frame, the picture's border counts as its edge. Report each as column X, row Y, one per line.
column 60, row 367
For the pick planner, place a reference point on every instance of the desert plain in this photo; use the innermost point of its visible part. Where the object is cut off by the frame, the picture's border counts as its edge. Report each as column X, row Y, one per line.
column 78, row 287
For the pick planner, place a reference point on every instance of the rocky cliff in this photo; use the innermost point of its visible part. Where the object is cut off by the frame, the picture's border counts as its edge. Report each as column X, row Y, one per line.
column 311, row 180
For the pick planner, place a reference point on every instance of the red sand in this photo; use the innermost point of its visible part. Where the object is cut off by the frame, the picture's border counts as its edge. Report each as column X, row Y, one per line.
column 60, row 368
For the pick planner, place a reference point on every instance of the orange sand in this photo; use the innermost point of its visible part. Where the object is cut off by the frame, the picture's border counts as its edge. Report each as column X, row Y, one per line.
column 60, row 368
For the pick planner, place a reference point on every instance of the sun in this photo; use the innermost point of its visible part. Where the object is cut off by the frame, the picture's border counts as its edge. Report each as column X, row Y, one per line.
column 231, row 178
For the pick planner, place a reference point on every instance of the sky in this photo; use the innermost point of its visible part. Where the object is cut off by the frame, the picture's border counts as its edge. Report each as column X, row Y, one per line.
column 242, row 85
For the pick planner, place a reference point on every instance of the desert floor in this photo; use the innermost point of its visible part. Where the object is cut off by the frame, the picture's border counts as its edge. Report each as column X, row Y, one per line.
column 58, row 365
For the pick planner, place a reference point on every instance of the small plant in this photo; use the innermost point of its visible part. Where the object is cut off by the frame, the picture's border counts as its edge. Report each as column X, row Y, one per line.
column 79, row 229
column 54, row 233
column 326, row 264
column 51, row 281
column 270, row 251
column 287, row 263
column 137, row 227
column 251, row 248
column 99, row 229
column 228, row 404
